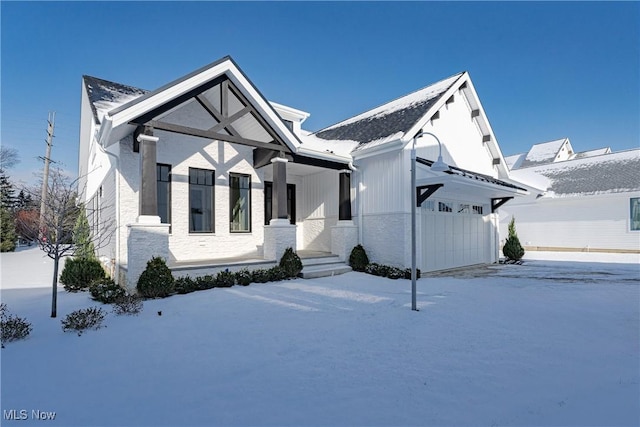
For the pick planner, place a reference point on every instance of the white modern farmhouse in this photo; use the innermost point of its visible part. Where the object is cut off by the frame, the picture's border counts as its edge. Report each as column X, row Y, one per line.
column 579, row 201
column 206, row 172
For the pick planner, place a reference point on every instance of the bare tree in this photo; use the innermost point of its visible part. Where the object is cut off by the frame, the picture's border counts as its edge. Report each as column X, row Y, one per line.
column 54, row 229
column 8, row 157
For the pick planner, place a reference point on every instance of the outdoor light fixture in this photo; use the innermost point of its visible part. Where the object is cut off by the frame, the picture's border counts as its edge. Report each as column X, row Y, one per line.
column 437, row 166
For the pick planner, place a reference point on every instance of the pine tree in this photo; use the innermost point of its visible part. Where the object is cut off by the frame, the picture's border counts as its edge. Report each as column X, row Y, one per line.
column 7, row 199
column 82, row 237
column 7, row 231
column 512, row 249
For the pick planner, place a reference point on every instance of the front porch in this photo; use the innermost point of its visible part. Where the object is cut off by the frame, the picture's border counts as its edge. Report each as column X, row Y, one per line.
column 316, row 264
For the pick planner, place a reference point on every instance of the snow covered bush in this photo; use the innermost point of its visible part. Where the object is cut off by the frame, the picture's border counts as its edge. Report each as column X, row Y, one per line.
column 156, row 281
column 512, row 248
column 127, row 304
column 13, row 328
column 277, row 274
column 407, row 273
column 243, row 277
column 79, row 273
column 225, row 279
column 358, row 259
column 291, row 263
column 106, row 291
column 81, row 320
column 260, row 275
column 205, row 282
column 185, row 285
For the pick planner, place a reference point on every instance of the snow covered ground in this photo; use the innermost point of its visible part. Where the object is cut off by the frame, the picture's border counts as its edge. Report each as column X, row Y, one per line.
column 545, row 343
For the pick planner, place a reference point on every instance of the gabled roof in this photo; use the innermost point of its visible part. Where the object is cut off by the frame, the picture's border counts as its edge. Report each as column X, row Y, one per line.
column 105, row 96
column 389, row 121
column 543, row 153
column 216, row 102
column 609, row 173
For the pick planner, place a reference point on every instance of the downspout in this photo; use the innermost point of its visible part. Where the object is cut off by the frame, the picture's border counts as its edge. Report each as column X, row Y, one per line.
column 359, row 196
column 116, row 279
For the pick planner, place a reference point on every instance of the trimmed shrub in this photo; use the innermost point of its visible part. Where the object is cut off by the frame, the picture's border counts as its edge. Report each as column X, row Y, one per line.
column 12, row 328
column 128, row 304
column 81, row 320
column 225, row 279
column 205, row 282
column 291, row 263
column 185, row 285
column 156, row 281
column 407, row 273
column 260, row 276
column 244, row 277
column 106, row 291
column 512, row 248
column 79, row 273
column 277, row 274
column 395, row 273
column 358, row 260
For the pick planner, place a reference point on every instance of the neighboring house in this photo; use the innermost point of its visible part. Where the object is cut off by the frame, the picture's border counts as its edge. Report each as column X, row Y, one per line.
column 586, row 201
column 205, row 169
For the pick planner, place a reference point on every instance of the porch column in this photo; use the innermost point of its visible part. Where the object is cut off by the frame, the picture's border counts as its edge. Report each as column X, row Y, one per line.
column 147, row 237
column 280, row 234
column 344, row 235
column 344, row 196
column 279, row 188
column 148, row 184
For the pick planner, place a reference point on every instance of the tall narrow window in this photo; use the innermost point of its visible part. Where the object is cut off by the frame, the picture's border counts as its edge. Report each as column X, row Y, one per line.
column 635, row 214
column 240, row 202
column 268, row 202
column 163, row 173
column 201, row 206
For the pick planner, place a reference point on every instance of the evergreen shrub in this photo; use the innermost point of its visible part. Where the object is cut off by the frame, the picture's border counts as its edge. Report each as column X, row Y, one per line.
column 512, row 248
column 260, row 276
column 277, row 273
column 291, row 263
column 185, row 285
column 243, row 277
column 106, row 291
column 358, row 259
column 156, row 281
column 225, row 279
column 79, row 273
column 205, row 282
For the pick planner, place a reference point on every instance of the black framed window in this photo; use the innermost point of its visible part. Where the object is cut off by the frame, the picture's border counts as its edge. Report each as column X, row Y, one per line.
column 239, row 203
column 268, row 202
column 201, row 201
column 163, row 174
column 634, row 214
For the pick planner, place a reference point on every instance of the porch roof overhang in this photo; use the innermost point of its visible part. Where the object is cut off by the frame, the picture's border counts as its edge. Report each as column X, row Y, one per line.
column 465, row 182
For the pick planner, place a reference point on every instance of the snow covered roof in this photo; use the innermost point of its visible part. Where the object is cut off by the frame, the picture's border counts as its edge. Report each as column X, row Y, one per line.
column 609, row 173
column 385, row 123
column 104, row 95
column 543, row 153
column 514, row 162
column 591, row 153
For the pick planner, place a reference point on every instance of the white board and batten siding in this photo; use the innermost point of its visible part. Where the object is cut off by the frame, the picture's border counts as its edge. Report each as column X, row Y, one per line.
column 597, row 222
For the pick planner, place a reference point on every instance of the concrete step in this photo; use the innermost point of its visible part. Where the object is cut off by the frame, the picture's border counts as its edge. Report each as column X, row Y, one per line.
column 333, row 259
column 324, row 270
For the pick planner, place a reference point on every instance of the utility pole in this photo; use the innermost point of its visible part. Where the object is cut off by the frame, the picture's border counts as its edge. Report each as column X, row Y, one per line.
column 45, row 175
column 43, row 201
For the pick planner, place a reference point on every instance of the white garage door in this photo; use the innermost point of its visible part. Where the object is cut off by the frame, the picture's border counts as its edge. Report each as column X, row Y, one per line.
column 454, row 235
